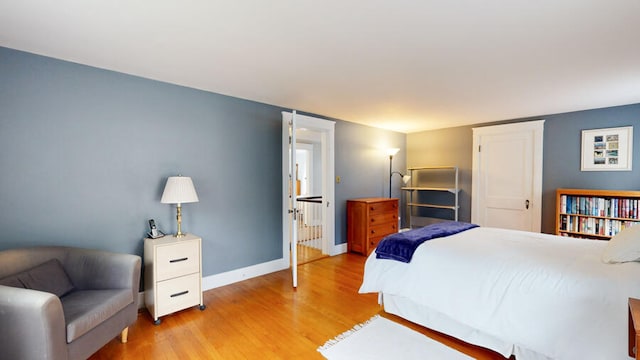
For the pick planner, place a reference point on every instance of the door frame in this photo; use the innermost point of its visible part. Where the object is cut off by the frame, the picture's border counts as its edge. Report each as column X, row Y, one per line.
column 327, row 130
column 537, row 127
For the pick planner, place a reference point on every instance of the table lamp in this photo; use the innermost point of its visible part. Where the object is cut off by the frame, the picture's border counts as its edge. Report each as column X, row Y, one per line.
column 178, row 190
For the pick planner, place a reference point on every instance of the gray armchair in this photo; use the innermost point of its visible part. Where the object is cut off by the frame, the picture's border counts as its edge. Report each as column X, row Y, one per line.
column 65, row 303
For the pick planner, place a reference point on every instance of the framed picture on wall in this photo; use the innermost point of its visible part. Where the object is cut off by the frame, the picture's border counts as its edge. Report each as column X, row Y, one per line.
column 607, row 149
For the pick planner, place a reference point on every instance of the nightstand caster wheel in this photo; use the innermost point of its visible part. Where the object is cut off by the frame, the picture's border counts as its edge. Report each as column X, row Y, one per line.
column 202, row 307
column 157, row 322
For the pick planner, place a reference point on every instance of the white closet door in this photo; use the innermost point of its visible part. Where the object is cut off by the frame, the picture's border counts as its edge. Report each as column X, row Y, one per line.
column 507, row 176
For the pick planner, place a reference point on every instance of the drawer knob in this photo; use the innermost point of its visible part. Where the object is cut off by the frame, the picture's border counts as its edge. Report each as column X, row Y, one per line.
column 180, row 293
column 179, row 260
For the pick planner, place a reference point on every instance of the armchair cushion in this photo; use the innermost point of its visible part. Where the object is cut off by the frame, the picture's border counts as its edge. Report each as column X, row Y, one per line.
column 48, row 277
column 86, row 309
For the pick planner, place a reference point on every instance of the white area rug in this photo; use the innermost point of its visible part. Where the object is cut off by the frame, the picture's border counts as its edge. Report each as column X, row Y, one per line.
column 381, row 338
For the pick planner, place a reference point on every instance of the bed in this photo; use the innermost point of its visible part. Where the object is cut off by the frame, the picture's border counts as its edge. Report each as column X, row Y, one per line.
column 535, row 296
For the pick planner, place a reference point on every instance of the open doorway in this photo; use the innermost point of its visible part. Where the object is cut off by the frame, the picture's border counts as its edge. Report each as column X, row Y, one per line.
column 309, row 196
column 311, row 182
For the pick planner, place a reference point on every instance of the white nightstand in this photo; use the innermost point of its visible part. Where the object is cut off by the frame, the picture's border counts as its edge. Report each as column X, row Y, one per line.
column 172, row 274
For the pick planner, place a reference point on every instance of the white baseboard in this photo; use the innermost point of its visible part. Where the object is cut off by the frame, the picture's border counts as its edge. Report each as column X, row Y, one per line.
column 339, row 249
column 233, row 276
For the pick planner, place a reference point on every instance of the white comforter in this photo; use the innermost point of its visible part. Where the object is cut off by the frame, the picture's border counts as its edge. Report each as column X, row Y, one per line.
column 543, row 293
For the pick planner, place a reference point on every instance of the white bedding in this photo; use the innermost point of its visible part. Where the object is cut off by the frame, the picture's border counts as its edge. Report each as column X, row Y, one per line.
column 547, row 296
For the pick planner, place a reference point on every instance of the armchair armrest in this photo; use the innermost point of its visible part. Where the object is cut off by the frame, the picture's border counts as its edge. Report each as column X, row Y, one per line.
column 32, row 325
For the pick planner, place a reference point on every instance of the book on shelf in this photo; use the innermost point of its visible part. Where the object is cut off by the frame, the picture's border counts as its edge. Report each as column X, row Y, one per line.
column 593, row 226
column 600, row 206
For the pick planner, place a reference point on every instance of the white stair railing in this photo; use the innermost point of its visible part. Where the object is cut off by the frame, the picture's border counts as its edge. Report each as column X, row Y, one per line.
column 310, row 221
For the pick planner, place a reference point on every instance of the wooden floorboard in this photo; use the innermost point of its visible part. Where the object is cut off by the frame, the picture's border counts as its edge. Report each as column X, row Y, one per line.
column 307, row 254
column 265, row 318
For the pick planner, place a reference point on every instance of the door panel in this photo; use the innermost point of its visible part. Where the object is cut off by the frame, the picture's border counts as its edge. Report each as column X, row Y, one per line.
column 293, row 209
column 507, row 180
column 507, row 176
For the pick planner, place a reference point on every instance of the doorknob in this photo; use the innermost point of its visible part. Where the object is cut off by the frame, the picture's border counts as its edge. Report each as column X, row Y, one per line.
column 526, row 204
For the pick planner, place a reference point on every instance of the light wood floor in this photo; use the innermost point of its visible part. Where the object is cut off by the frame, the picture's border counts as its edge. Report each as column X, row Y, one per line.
column 308, row 254
column 265, row 318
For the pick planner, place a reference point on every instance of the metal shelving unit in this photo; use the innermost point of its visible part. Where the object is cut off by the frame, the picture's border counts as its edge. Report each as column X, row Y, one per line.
column 416, row 200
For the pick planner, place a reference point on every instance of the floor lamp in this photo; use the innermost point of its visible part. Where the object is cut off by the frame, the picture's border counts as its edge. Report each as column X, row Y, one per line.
column 391, row 152
column 405, row 178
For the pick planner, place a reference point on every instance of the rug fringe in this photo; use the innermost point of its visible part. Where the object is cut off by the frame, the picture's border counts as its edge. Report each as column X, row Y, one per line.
column 345, row 334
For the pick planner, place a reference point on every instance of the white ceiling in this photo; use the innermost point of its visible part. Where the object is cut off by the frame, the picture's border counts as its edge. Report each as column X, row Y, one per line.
column 405, row 65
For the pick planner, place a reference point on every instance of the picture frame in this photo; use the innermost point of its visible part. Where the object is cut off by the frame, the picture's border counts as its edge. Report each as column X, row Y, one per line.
column 609, row 149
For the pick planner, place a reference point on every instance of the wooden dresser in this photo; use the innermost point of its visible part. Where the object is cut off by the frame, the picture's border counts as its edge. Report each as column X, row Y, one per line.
column 368, row 221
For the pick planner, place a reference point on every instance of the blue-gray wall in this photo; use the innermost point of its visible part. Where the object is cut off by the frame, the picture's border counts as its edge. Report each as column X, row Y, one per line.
column 363, row 166
column 444, row 147
column 561, row 159
column 85, row 152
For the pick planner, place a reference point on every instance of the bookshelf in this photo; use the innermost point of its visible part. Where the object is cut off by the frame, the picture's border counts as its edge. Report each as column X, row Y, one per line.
column 595, row 214
column 426, row 182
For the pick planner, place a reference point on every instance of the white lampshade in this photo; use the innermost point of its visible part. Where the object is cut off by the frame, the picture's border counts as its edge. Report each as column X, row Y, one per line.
column 392, row 151
column 179, row 190
column 406, row 178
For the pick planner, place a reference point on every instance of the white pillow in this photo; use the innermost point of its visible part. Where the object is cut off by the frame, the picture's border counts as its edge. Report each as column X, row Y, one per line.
column 624, row 246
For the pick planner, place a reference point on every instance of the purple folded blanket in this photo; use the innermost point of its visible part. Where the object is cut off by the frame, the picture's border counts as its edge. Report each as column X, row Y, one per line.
column 401, row 246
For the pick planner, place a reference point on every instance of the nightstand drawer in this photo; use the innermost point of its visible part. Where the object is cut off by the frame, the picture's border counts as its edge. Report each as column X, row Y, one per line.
column 179, row 259
column 179, row 293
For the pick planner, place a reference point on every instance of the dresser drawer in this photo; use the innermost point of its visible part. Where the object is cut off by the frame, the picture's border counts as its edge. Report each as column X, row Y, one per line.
column 383, row 219
column 383, row 207
column 179, row 293
column 179, row 259
column 373, row 243
column 382, row 230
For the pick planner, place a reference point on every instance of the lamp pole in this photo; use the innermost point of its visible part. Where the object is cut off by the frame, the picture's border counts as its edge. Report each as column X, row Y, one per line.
column 391, row 152
column 390, row 174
